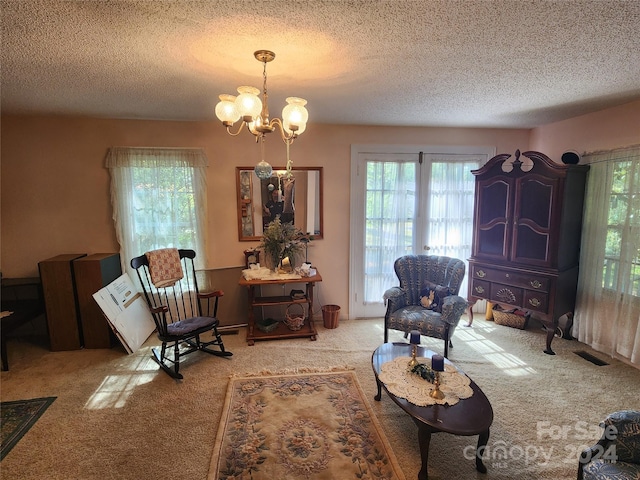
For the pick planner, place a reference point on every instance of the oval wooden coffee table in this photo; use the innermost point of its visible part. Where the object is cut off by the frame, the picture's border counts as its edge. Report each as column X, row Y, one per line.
column 471, row 416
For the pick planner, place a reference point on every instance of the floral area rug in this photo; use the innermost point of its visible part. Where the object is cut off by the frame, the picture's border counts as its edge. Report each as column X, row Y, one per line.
column 302, row 426
column 17, row 417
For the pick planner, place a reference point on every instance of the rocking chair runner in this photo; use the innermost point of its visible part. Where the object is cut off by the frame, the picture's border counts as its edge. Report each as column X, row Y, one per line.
column 181, row 313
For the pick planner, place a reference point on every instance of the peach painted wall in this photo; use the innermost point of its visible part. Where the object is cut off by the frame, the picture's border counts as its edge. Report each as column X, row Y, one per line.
column 55, row 188
column 603, row 130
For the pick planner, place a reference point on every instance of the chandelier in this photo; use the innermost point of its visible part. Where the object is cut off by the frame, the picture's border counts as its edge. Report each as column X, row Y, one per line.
column 254, row 113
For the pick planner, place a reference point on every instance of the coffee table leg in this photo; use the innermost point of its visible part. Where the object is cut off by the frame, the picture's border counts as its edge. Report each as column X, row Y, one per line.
column 424, row 439
column 483, row 438
column 379, row 395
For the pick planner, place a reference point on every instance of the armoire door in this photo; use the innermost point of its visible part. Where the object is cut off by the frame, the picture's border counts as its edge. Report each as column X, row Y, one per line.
column 535, row 221
column 494, row 210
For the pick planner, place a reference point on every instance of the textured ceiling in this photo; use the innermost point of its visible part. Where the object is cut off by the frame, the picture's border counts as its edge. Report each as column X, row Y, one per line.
column 477, row 63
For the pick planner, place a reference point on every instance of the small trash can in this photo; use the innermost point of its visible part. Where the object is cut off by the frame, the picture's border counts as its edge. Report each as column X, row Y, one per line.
column 330, row 315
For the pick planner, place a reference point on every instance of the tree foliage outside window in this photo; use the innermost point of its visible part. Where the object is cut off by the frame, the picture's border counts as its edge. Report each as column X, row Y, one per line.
column 159, row 194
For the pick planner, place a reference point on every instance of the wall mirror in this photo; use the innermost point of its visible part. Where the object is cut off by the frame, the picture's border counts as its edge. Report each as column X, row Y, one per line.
column 297, row 199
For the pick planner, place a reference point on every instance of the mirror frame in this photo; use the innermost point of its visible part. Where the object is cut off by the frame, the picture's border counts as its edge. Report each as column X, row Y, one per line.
column 242, row 204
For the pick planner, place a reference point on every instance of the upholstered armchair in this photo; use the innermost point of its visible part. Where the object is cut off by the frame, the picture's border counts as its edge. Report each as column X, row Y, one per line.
column 427, row 298
column 616, row 456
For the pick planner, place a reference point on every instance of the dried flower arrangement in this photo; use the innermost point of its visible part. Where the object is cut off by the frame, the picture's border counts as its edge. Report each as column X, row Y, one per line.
column 283, row 240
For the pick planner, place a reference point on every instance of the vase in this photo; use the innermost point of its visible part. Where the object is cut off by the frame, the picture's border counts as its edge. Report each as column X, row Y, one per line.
column 272, row 251
column 273, row 262
column 287, row 264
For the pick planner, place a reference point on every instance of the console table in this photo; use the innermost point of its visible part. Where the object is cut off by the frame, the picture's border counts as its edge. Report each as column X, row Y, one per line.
column 282, row 331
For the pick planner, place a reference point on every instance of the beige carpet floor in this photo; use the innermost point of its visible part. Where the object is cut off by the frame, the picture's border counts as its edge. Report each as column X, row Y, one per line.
column 118, row 417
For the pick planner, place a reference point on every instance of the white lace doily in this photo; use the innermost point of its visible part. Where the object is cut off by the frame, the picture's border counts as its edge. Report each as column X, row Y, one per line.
column 262, row 273
column 403, row 384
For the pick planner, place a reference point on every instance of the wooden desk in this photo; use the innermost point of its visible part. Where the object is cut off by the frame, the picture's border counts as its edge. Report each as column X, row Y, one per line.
column 282, row 331
column 22, row 297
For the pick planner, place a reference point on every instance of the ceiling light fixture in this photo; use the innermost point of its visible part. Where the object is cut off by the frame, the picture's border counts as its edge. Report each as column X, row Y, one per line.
column 255, row 115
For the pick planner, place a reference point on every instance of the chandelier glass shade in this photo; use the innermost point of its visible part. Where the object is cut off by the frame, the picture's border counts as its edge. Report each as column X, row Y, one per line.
column 253, row 112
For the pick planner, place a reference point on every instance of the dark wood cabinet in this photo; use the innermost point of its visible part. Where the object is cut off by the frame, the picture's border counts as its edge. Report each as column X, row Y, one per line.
column 59, row 291
column 526, row 240
column 91, row 274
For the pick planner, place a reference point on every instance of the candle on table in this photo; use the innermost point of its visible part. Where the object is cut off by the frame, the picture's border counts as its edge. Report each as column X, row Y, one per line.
column 414, row 337
column 437, row 363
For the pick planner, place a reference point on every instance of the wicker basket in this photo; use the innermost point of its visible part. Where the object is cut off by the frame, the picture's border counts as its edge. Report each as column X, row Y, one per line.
column 511, row 318
column 293, row 318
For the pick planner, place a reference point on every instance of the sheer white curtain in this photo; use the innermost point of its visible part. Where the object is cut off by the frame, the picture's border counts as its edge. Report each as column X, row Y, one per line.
column 390, row 229
column 607, row 315
column 158, row 197
column 451, row 197
column 405, row 200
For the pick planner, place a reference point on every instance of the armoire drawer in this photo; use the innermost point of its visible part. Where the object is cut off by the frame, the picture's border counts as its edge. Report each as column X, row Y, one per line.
column 538, row 301
column 508, row 294
column 517, row 279
column 480, row 288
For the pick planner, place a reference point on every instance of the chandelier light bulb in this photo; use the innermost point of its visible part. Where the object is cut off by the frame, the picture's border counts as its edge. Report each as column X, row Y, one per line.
column 295, row 115
column 248, row 103
column 226, row 110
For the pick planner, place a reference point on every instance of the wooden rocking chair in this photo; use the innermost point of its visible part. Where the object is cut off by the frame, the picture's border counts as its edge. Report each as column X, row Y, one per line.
column 181, row 313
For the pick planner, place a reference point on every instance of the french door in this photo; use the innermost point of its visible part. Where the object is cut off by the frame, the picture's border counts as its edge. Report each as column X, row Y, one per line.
column 407, row 200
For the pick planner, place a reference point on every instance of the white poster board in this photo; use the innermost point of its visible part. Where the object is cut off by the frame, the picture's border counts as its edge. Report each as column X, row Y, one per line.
column 126, row 311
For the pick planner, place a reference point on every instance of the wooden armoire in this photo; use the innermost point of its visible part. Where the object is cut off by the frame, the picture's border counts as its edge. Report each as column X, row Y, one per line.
column 526, row 235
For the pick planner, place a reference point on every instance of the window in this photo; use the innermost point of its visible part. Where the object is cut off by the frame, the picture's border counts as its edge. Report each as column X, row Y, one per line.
column 607, row 315
column 403, row 202
column 159, row 200
column 623, row 218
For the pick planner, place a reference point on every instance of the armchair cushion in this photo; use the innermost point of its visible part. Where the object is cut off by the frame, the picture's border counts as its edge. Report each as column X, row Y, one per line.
column 416, row 317
column 429, row 322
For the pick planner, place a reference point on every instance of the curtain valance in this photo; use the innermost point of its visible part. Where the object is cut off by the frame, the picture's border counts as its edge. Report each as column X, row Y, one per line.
column 159, row 157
